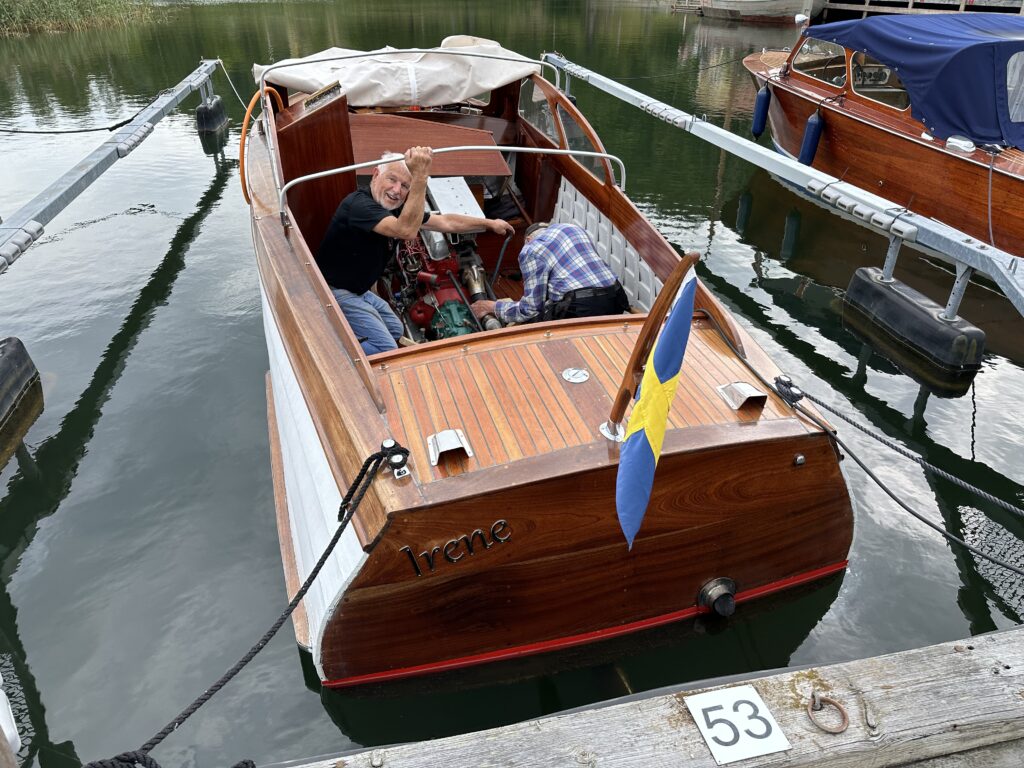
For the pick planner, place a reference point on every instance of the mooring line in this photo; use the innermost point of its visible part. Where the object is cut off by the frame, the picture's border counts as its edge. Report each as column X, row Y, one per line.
column 782, row 386
column 917, row 458
column 391, row 455
column 110, row 128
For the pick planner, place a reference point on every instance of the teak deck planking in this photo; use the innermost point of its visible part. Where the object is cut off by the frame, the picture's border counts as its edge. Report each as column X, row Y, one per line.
column 462, row 385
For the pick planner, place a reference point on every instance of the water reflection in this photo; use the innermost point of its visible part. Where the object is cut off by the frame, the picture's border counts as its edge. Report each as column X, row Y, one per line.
column 44, row 478
column 763, row 634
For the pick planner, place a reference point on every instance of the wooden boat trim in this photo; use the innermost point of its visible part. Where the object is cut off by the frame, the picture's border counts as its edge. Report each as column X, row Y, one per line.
column 557, row 99
column 300, row 622
column 572, row 641
column 587, row 457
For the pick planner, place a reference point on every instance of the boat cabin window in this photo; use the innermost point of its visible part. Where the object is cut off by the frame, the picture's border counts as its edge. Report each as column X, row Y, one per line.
column 821, row 60
column 1015, row 86
column 577, row 139
column 534, row 107
column 876, row 81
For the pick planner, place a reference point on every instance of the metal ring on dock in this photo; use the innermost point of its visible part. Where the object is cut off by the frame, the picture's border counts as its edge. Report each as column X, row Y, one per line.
column 816, row 703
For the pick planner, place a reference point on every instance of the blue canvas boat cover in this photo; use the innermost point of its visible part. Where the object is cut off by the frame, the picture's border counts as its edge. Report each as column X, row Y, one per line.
column 961, row 70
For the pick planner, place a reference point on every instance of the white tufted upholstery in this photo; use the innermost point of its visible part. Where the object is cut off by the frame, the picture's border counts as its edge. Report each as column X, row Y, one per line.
column 637, row 278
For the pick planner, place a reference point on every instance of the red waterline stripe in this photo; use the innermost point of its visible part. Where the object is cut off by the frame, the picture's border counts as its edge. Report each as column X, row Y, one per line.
column 561, row 643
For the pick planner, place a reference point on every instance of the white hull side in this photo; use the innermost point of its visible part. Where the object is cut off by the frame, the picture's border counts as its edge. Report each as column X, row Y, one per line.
column 767, row 9
column 312, row 494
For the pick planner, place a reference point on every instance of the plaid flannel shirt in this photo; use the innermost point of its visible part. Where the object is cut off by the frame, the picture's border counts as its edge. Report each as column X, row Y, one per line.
column 561, row 258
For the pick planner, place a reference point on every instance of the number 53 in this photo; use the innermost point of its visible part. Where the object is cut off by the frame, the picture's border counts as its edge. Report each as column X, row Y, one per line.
column 733, row 729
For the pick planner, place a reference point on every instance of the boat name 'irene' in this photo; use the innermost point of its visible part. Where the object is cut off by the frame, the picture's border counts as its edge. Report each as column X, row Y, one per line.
column 452, row 551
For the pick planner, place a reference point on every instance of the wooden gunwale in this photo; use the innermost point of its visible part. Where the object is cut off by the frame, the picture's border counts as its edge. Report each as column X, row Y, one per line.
column 319, row 348
column 879, row 116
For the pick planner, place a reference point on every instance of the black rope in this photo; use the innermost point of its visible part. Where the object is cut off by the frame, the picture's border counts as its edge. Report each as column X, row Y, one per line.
column 784, row 388
column 391, row 455
column 111, row 128
column 913, row 456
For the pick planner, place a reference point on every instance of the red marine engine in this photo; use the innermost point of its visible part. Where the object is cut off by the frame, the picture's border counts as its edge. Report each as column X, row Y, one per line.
column 432, row 286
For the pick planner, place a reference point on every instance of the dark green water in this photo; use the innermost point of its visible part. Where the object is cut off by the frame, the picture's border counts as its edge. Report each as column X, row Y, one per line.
column 138, row 552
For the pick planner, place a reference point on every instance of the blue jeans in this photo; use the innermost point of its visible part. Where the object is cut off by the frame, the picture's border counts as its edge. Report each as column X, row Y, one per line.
column 371, row 318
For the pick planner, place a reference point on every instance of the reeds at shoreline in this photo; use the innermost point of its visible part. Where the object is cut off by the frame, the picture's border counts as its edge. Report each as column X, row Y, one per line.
column 24, row 16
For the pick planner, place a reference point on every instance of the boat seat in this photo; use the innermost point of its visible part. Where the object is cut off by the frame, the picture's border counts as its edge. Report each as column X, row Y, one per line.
column 639, row 281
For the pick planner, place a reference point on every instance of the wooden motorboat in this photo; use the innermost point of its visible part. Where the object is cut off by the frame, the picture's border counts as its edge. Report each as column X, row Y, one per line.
column 761, row 11
column 924, row 110
column 507, row 544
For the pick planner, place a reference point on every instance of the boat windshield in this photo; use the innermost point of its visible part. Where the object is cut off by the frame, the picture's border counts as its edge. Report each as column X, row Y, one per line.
column 1015, row 86
column 577, row 138
column 534, row 107
column 821, row 60
column 878, row 82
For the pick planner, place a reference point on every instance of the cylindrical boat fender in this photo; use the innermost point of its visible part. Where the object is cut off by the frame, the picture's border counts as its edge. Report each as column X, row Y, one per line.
column 812, row 135
column 761, row 104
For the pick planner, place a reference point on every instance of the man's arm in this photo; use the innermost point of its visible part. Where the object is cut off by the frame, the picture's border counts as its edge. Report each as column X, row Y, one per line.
column 459, row 222
column 405, row 227
column 535, row 268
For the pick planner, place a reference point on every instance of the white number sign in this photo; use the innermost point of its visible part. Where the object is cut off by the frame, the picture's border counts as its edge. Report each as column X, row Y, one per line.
column 736, row 724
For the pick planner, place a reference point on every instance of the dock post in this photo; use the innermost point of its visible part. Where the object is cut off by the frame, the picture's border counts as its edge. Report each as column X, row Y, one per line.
column 963, row 277
column 890, row 258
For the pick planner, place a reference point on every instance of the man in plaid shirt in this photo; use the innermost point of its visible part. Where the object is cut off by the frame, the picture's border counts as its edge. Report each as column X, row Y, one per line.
column 563, row 276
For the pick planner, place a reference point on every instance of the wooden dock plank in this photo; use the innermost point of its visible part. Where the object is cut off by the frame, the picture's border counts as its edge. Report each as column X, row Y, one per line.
column 955, row 704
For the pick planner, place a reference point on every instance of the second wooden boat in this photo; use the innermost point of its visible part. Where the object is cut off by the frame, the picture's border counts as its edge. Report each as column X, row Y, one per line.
column 927, row 111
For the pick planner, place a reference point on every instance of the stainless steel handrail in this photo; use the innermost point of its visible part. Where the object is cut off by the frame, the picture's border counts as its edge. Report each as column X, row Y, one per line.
column 283, row 200
column 366, row 54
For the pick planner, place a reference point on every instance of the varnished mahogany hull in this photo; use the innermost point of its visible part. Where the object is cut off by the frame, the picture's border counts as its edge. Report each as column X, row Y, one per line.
column 729, row 499
column 564, row 575
column 897, row 164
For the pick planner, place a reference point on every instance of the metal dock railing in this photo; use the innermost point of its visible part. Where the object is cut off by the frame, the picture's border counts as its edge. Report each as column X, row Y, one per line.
column 883, row 216
column 26, row 224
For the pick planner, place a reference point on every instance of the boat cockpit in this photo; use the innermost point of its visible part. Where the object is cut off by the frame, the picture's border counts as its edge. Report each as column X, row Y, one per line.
column 522, row 153
column 845, row 70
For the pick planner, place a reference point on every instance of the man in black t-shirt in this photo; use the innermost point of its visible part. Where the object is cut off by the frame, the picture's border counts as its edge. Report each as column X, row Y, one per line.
column 360, row 242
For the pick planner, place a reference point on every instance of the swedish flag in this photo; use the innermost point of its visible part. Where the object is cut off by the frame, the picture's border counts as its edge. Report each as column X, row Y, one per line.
column 645, row 434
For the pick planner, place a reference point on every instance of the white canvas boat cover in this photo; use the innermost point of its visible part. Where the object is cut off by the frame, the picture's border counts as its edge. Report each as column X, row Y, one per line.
column 392, row 77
